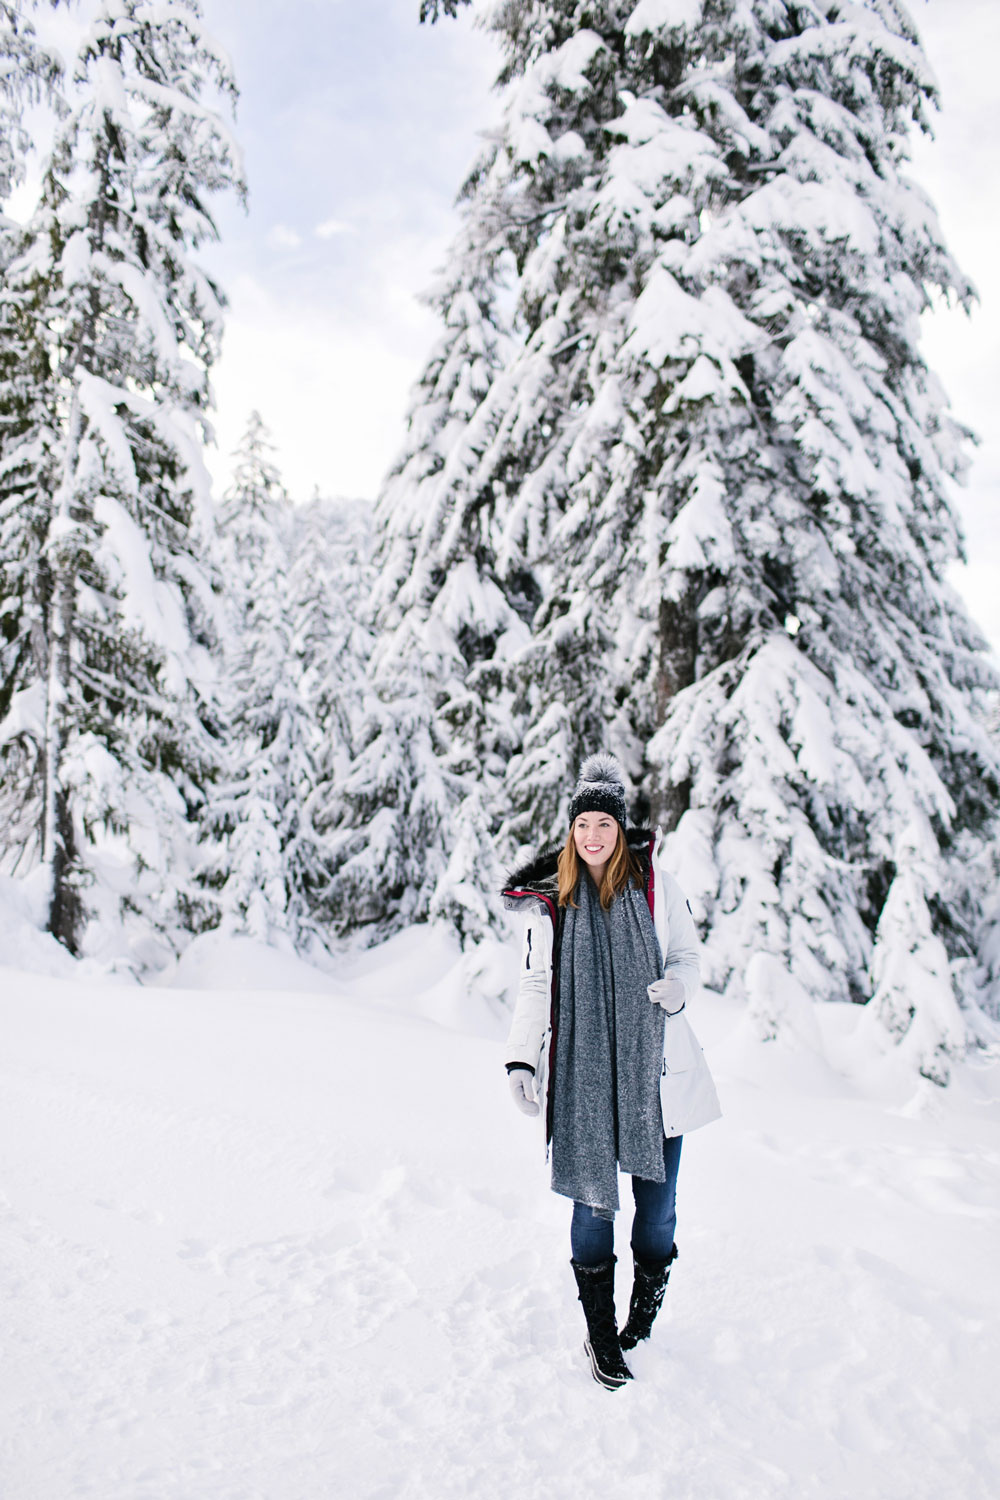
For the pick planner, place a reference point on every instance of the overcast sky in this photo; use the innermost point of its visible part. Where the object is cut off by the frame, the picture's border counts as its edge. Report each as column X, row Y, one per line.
column 359, row 126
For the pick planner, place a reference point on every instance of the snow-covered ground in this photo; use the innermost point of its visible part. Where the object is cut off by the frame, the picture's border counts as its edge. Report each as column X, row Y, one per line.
column 272, row 1235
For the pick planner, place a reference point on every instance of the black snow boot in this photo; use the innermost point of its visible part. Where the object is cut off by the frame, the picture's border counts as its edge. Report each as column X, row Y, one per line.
column 650, row 1283
column 596, row 1285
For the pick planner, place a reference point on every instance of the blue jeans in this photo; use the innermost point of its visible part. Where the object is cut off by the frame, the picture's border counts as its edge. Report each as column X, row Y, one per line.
column 593, row 1238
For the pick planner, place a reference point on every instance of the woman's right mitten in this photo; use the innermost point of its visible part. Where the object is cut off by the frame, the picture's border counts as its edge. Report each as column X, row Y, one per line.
column 522, row 1087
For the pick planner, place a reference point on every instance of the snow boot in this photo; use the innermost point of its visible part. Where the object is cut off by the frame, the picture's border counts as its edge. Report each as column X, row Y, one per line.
column 650, row 1283
column 596, row 1285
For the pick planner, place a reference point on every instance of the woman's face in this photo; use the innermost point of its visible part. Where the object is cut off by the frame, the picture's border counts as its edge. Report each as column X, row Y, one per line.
column 595, row 835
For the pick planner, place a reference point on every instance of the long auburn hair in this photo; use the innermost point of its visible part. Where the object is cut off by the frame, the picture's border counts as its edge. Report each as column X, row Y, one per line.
column 621, row 868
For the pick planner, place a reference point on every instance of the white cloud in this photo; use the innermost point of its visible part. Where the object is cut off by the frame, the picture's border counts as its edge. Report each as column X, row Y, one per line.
column 330, row 228
column 280, row 237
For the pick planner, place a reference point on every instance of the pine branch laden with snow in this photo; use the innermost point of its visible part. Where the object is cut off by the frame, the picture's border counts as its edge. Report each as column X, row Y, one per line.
column 430, row 10
column 103, row 488
column 677, row 480
column 28, row 72
column 387, row 816
column 458, row 897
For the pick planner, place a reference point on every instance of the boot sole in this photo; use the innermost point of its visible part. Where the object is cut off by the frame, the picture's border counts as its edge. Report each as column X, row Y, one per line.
column 609, row 1382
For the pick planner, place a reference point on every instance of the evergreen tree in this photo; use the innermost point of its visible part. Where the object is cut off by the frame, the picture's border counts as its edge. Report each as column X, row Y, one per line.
column 253, row 517
column 294, row 698
column 696, row 508
column 329, row 585
column 329, row 581
column 28, row 72
column 266, row 857
column 385, row 816
column 121, row 328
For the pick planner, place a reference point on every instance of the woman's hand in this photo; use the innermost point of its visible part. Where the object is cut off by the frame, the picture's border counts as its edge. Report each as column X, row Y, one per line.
column 522, row 1087
column 668, row 992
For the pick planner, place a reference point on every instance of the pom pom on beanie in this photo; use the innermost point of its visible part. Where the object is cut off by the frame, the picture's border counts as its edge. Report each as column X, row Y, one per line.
column 600, row 787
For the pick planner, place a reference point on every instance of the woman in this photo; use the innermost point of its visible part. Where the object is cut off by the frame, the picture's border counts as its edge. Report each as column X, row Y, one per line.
column 599, row 1042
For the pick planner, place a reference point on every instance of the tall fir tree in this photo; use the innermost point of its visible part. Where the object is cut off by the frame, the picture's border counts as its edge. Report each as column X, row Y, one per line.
column 28, row 73
column 253, row 515
column 434, row 625
column 295, row 699
column 697, row 507
column 329, row 582
column 266, row 858
column 121, row 328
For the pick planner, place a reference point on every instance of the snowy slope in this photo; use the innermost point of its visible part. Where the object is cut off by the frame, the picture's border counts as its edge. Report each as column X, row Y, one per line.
column 297, row 1245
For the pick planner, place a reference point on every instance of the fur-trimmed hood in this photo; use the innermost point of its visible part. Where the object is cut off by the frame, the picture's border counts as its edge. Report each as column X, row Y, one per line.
column 538, row 875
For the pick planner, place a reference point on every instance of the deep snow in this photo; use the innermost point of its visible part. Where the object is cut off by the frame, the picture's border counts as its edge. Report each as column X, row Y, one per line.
column 293, row 1242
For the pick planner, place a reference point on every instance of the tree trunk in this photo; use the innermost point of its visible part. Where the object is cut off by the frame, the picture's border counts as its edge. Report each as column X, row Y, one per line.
column 58, row 844
column 678, row 652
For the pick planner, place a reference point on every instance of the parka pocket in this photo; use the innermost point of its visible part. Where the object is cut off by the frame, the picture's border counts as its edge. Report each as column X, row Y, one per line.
column 680, row 1045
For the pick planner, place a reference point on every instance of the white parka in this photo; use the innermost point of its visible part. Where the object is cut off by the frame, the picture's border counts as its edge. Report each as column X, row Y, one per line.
column 687, row 1094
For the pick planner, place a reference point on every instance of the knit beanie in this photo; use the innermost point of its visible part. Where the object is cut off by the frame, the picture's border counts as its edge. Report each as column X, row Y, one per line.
column 599, row 788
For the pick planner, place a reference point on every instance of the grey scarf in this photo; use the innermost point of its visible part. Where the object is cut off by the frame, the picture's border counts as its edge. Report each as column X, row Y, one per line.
column 609, row 1050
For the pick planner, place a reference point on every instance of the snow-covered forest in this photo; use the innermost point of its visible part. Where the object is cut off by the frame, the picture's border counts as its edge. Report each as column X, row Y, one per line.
column 675, row 482
column 678, row 482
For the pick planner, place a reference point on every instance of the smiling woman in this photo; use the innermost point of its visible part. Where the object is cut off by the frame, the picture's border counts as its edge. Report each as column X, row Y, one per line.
column 599, row 1046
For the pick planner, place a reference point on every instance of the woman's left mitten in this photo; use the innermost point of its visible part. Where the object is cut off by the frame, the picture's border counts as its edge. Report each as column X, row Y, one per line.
column 668, row 992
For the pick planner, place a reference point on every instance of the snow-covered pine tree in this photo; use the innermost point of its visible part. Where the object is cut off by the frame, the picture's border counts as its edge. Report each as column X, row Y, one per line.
column 28, row 72
column 254, row 515
column 104, row 293
column 711, row 474
column 266, row 858
column 821, row 735
column 430, row 722
column 387, row 817
column 26, row 484
column 329, row 585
